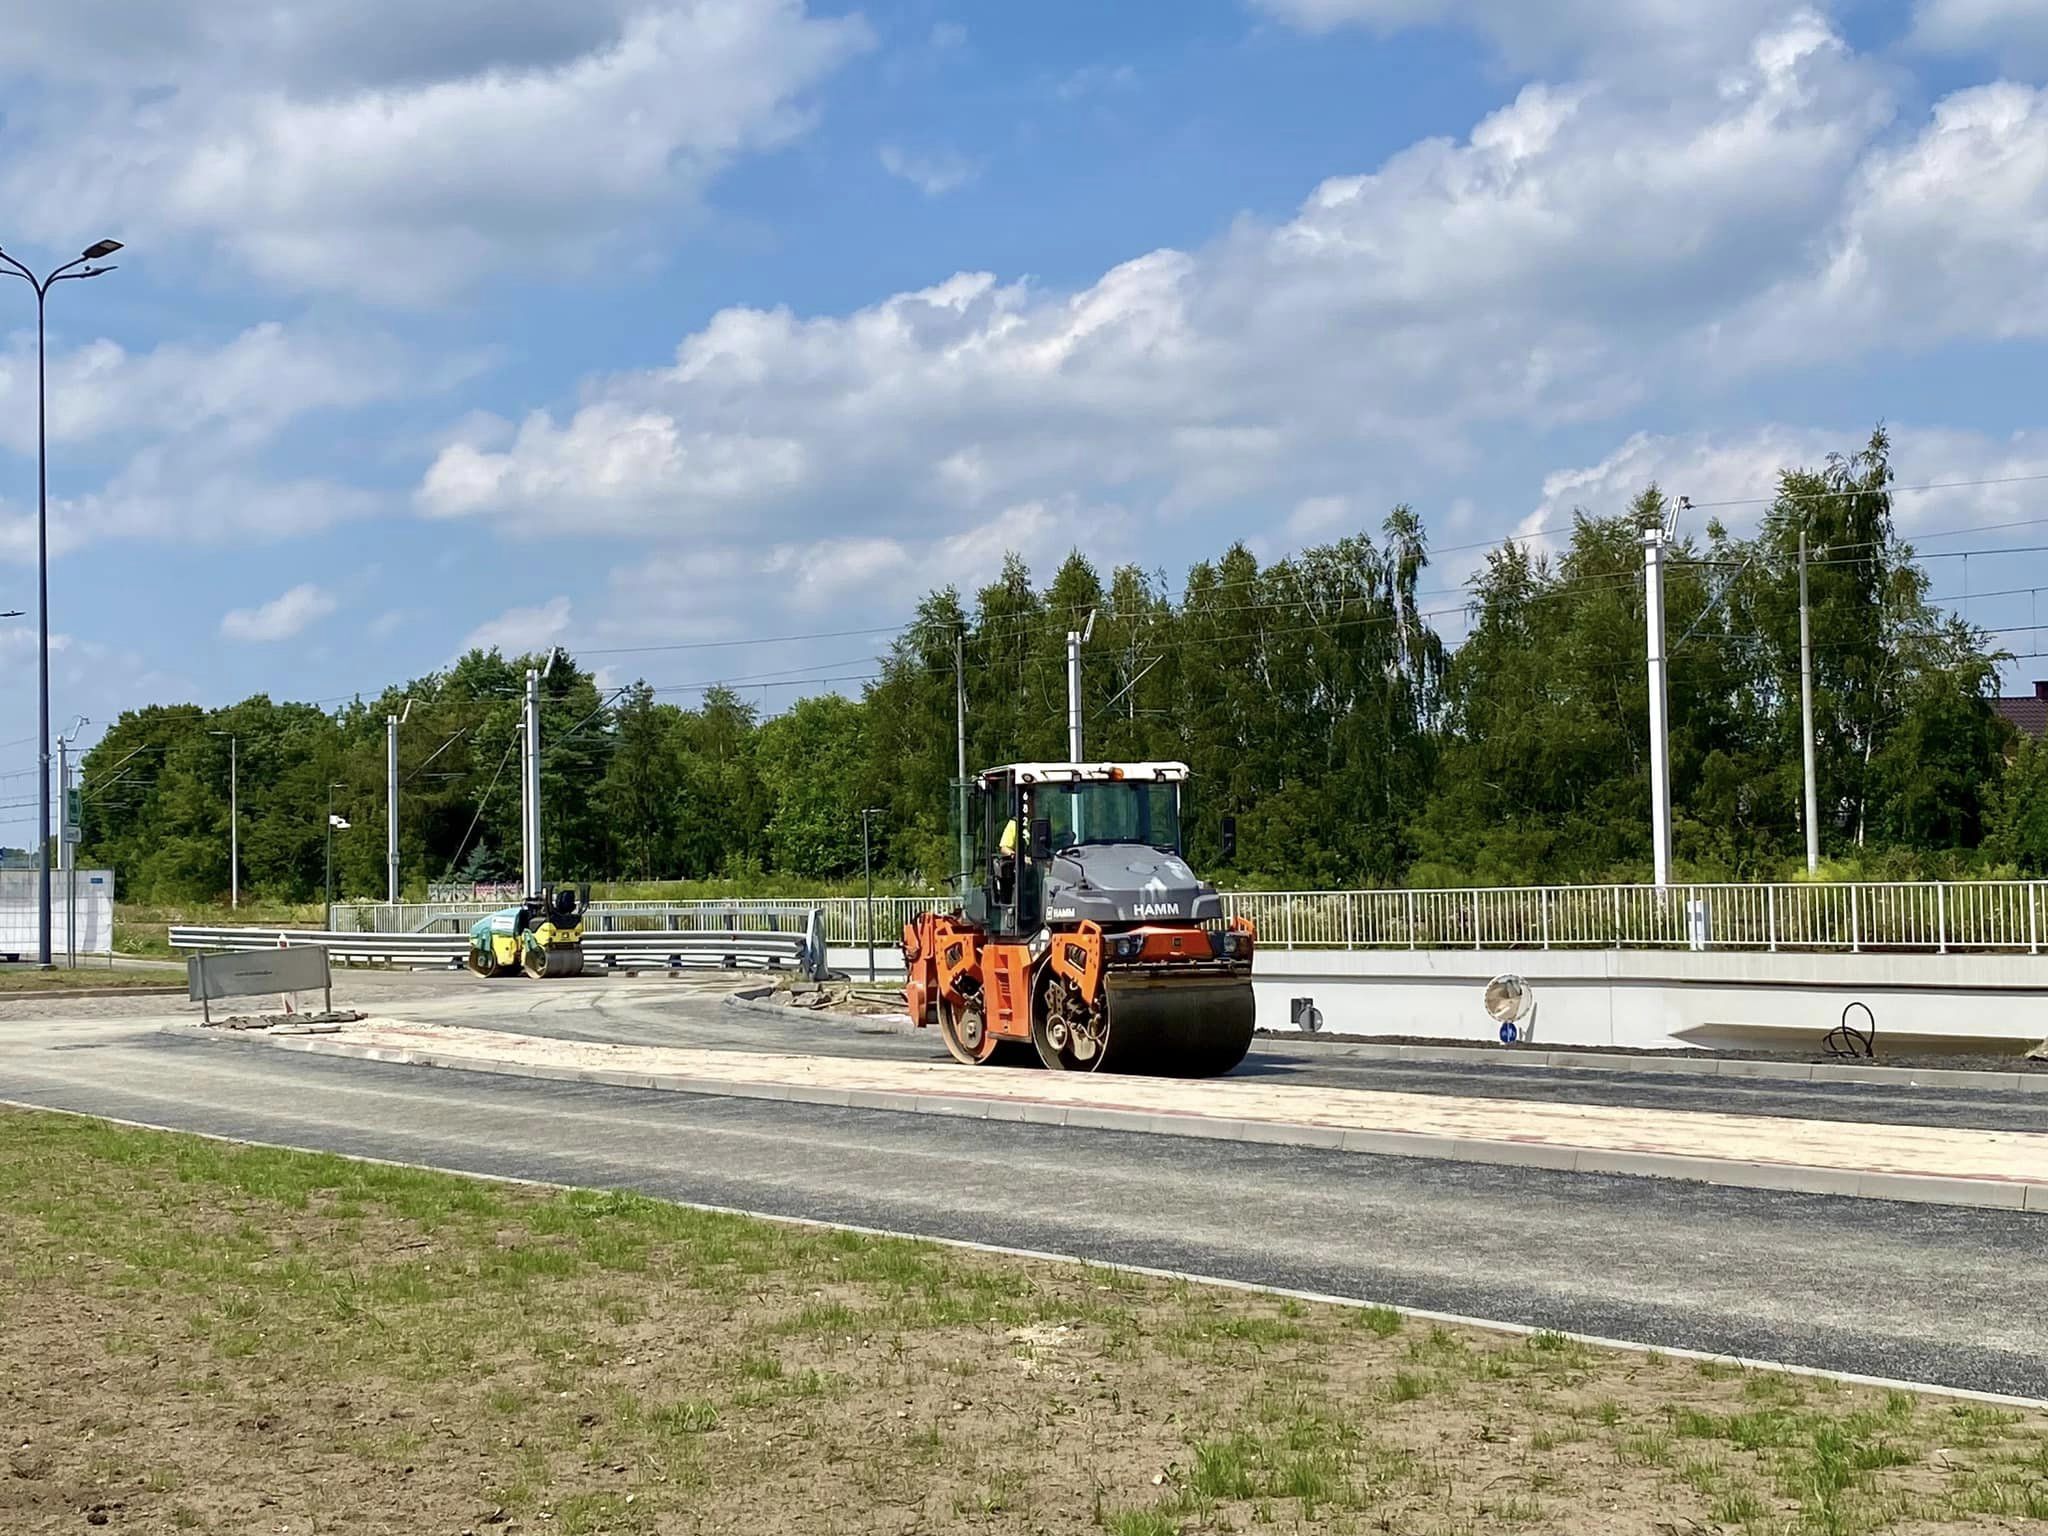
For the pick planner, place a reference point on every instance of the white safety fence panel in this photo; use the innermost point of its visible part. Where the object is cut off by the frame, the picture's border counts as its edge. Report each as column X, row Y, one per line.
column 94, row 905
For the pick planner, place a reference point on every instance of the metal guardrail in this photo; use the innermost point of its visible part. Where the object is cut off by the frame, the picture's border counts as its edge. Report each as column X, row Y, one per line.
column 803, row 948
column 608, row 916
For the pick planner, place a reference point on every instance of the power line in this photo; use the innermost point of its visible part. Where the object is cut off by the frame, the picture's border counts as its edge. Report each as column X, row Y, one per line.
column 463, row 846
column 1881, row 490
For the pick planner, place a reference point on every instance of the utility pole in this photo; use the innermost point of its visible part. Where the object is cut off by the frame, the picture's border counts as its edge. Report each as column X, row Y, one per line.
column 234, row 818
column 67, row 841
column 960, row 753
column 530, row 789
column 525, row 805
column 1660, row 725
column 64, row 842
column 1076, row 638
column 234, row 822
column 1806, row 717
column 867, row 865
column 391, row 725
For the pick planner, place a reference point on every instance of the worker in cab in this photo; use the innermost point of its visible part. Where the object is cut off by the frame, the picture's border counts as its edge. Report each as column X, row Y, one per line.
column 1006, row 862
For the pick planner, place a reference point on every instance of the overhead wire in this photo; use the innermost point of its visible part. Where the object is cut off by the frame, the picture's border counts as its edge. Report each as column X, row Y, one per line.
column 463, row 847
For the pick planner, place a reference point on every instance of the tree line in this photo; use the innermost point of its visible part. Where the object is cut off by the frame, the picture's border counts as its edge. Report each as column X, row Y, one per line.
column 1313, row 696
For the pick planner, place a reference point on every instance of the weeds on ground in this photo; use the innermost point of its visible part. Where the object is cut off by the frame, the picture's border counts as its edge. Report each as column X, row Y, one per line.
column 453, row 1351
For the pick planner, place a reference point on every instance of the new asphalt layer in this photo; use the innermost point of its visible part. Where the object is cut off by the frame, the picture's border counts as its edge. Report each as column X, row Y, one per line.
column 1917, row 1292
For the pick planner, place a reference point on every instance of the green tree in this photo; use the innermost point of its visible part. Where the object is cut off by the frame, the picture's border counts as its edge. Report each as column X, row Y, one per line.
column 2018, row 814
column 813, row 760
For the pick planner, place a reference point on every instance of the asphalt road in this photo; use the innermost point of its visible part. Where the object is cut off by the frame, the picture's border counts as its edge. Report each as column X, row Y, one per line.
column 1918, row 1292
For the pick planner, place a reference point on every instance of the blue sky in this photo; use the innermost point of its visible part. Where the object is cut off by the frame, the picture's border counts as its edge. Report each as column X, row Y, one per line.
column 673, row 323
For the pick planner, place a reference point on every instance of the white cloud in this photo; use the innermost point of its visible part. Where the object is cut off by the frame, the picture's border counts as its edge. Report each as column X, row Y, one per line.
column 616, row 465
column 280, row 618
column 1316, row 517
column 932, row 172
column 521, row 631
column 2015, row 31
column 1983, row 480
column 24, row 640
column 1705, row 467
column 1941, row 237
column 1533, row 32
column 706, row 598
column 401, row 175
column 183, row 435
column 242, row 391
column 308, row 44
column 1534, row 274
column 164, row 495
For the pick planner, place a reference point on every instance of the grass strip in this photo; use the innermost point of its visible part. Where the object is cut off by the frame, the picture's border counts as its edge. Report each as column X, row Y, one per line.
column 206, row 1337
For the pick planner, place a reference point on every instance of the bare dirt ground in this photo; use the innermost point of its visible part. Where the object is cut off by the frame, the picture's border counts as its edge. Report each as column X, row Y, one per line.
column 201, row 1337
column 52, row 986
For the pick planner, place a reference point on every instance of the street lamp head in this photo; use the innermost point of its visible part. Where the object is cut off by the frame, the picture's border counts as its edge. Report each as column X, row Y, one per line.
column 101, row 248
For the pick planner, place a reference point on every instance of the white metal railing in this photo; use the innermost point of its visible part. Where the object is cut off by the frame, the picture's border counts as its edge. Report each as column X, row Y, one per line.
column 1973, row 915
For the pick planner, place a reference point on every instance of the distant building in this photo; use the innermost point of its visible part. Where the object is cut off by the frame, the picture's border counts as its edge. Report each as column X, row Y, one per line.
column 2028, row 712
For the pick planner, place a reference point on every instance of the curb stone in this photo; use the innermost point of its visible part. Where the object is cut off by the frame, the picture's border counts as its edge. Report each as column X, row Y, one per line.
column 1675, row 1065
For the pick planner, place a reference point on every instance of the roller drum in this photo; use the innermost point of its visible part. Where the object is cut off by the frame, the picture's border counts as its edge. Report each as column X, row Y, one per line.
column 554, row 960
column 1176, row 1026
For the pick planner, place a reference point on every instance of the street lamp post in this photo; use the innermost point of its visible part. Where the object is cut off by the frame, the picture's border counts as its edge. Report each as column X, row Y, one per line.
column 333, row 821
column 42, row 286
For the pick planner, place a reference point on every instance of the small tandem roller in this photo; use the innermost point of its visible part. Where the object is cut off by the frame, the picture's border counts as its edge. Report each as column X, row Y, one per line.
column 542, row 936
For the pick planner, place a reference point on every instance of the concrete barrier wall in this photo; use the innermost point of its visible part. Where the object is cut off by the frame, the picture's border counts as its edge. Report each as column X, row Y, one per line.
column 1655, row 999
column 1644, row 999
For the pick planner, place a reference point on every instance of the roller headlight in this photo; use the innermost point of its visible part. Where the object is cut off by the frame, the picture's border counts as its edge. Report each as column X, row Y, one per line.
column 1128, row 946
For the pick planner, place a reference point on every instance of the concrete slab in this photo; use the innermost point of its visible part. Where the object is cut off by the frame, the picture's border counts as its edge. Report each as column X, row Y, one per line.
column 1793, row 1071
column 1940, row 1191
column 1326, row 1137
column 1518, row 1154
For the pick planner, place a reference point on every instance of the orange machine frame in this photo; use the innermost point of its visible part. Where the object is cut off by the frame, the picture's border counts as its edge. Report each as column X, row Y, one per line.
column 940, row 953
